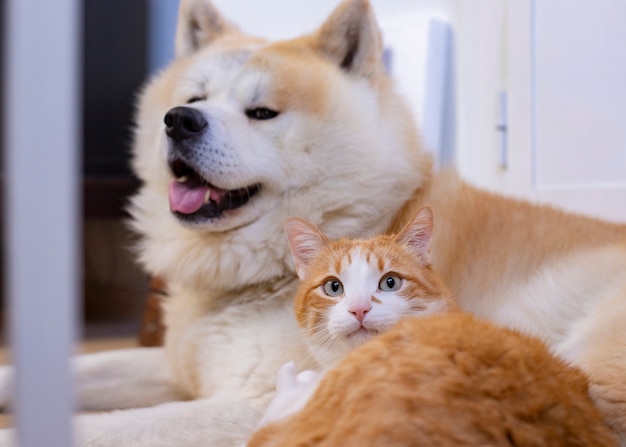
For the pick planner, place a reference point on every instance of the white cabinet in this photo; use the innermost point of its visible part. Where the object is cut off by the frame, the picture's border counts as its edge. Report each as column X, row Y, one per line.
column 562, row 65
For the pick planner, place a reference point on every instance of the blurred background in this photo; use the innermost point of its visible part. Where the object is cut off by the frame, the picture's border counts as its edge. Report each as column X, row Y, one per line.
column 113, row 63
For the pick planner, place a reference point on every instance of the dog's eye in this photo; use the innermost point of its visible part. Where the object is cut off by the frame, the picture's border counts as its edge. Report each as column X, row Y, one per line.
column 261, row 113
column 195, row 99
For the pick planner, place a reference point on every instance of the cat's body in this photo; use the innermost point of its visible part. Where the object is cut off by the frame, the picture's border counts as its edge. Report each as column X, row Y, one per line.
column 447, row 379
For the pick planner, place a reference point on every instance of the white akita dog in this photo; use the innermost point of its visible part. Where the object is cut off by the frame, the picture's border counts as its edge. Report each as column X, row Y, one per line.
column 239, row 134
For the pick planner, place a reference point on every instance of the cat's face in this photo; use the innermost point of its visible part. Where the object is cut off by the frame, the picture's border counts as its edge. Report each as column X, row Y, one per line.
column 352, row 290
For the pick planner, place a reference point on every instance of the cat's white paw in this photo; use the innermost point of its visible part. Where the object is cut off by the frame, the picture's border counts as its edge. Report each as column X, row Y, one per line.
column 289, row 379
column 286, row 377
column 307, row 377
column 293, row 390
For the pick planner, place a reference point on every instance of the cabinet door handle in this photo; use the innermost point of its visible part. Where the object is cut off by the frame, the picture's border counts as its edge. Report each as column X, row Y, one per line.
column 502, row 128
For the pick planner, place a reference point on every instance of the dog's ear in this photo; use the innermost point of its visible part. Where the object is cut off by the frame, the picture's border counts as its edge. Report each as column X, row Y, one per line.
column 351, row 39
column 199, row 23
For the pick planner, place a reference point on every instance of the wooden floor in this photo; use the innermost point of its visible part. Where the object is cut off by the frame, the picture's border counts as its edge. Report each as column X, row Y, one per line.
column 88, row 345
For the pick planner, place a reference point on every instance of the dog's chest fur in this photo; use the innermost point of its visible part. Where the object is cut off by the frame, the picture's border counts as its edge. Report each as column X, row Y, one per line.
column 232, row 353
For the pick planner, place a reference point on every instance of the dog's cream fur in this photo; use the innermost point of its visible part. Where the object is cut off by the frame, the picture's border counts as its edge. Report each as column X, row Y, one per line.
column 343, row 153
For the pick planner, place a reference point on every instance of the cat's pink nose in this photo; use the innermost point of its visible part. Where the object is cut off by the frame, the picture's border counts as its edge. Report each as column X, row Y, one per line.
column 359, row 311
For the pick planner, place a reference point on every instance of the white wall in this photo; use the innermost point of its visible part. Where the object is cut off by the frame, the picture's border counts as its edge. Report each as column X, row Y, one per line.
column 276, row 19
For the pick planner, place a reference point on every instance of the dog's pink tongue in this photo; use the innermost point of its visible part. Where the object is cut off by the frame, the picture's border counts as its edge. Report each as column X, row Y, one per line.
column 186, row 198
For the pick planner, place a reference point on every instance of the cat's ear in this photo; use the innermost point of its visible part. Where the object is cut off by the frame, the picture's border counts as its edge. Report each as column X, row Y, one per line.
column 305, row 241
column 417, row 234
column 199, row 23
column 350, row 38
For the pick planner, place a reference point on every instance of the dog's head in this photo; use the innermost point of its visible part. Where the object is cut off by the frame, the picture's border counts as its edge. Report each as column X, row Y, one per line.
column 240, row 133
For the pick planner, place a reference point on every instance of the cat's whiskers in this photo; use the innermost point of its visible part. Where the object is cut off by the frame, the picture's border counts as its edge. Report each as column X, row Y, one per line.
column 322, row 337
column 296, row 332
column 325, row 340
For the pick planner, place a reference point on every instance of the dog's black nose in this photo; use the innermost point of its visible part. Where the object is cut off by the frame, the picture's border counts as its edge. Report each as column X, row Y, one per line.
column 184, row 122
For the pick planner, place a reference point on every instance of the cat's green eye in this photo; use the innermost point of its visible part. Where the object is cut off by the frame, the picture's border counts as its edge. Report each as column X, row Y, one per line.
column 390, row 283
column 333, row 287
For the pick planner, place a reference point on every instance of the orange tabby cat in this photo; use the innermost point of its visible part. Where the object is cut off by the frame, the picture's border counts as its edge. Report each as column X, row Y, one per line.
column 437, row 380
column 351, row 290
